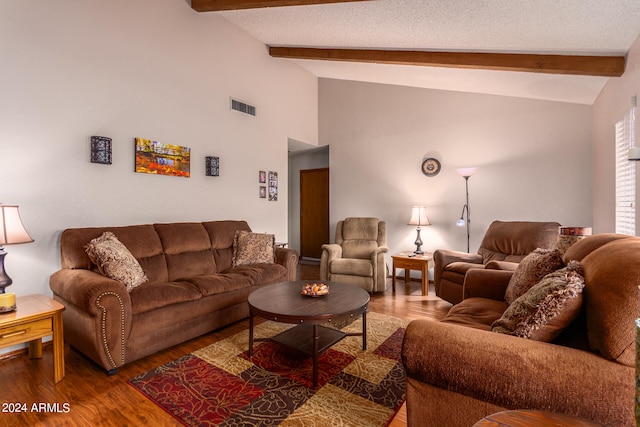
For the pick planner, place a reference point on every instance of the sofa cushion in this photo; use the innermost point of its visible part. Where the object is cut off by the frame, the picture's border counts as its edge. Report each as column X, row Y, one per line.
column 478, row 313
column 253, row 248
column 546, row 309
column 531, row 270
column 115, row 261
column 222, row 234
column 154, row 295
column 187, row 249
column 352, row 266
column 261, row 273
column 611, row 298
column 220, row 282
column 513, row 240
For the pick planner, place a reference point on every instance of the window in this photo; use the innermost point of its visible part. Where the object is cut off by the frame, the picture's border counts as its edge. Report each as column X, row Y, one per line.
column 626, row 174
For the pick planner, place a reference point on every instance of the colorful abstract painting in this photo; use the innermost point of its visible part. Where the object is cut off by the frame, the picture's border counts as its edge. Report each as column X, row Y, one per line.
column 162, row 159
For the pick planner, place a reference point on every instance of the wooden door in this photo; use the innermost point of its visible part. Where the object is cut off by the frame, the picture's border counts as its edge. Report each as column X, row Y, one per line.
column 314, row 211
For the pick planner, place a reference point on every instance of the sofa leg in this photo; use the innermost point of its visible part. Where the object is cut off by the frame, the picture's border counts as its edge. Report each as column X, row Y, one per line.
column 113, row 371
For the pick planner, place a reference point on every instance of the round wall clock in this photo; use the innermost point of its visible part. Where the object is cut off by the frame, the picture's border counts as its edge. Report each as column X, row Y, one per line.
column 431, row 166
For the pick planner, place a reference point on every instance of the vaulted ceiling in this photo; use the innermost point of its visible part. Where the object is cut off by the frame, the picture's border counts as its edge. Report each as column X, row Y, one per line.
column 562, row 50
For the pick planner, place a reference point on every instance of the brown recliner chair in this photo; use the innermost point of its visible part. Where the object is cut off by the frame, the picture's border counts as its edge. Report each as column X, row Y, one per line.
column 357, row 256
column 503, row 246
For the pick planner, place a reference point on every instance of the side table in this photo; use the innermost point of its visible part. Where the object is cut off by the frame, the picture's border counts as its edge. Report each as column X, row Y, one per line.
column 35, row 317
column 410, row 261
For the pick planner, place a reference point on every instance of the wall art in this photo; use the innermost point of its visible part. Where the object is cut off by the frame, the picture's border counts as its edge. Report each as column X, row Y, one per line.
column 162, row 159
column 263, row 192
column 212, row 166
column 273, row 186
column 262, row 177
column 101, row 150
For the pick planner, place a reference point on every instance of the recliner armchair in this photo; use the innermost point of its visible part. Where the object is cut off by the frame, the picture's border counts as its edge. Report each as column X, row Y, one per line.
column 503, row 246
column 357, row 256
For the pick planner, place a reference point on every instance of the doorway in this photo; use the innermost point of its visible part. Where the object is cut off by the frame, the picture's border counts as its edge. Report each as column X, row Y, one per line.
column 314, row 211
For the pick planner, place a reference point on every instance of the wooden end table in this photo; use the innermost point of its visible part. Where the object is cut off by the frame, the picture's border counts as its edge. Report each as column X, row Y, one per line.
column 35, row 317
column 410, row 261
column 283, row 302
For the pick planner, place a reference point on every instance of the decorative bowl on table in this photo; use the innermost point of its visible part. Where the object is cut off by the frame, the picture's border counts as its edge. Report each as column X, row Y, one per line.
column 315, row 290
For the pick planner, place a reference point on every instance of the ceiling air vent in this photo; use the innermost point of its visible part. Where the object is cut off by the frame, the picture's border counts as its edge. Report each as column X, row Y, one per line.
column 243, row 107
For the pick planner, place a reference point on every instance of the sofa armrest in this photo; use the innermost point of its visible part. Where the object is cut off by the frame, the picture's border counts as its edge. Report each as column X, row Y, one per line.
column 329, row 253
column 288, row 258
column 482, row 283
column 82, row 288
column 517, row 373
column 501, row 265
column 444, row 257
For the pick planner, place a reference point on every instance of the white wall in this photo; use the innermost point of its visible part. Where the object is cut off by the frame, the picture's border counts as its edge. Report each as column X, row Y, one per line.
column 141, row 68
column 533, row 157
column 612, row 104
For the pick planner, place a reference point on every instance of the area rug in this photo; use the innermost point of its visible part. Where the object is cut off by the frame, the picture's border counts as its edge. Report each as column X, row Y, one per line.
column 219, row 385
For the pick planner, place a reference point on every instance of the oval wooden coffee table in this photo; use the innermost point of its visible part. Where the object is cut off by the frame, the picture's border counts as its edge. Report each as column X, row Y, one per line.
column 283, row 302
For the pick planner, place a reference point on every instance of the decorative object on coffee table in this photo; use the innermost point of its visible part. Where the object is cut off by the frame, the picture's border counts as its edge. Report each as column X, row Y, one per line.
column 466, row 173
column 12, row 232
column 418, row 218
column 284, row 303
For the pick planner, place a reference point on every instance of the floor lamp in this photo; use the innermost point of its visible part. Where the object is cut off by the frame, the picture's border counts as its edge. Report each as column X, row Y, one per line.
column 466, row 173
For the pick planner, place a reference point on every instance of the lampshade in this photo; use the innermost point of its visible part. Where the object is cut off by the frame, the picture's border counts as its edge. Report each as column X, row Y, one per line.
column 419, row 216
column 12, row 231
column 466, row 172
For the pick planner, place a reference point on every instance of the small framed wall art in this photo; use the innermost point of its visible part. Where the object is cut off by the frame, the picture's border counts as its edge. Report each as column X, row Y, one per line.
column 101, row 150
column 263, row 192
column 212, row 166
column 262, row 177
column 273, row 186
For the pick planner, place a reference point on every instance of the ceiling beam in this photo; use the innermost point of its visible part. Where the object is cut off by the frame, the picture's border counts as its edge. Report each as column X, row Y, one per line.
column 604, row 66
column 219, row 5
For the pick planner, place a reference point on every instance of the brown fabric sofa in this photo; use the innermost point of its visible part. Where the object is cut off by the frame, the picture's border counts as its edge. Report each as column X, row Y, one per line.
column 503, row 246
column 459, row 371
column 192, row 288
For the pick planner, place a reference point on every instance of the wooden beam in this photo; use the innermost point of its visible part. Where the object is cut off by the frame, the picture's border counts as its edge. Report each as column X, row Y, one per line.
column 606, row 66
column 218, row 5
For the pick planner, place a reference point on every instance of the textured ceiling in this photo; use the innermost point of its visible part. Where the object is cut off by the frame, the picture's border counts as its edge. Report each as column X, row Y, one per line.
column 581, row 27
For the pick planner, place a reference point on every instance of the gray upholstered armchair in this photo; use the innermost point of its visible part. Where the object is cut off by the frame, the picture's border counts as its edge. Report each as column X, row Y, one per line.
column 357, row 256
column 503, row 246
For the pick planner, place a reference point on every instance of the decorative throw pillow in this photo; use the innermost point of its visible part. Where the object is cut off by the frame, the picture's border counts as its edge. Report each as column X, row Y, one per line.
column 115, row 261
column 547, row 308
column 253, row 248
column 530, row 270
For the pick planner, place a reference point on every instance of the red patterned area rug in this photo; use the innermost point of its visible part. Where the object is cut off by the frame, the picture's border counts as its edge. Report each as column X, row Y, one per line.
column 220, row 386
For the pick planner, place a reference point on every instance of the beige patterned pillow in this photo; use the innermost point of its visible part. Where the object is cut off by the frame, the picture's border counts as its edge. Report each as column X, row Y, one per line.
column 531, row 270
column 115, row 261
column 253, row 248
column 547, row 308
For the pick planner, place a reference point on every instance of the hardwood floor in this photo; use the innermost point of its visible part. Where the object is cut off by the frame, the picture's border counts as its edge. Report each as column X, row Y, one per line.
column 87, row 396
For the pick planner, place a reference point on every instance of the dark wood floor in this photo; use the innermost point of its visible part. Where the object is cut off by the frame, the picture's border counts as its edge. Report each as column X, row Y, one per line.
column 89, row 397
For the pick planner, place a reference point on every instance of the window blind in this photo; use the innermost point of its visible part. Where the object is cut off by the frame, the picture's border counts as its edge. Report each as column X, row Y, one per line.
column 625, row 174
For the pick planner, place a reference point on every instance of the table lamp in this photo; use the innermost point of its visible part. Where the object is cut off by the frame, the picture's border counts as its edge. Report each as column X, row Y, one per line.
column 12, row 232
column 419, row 218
